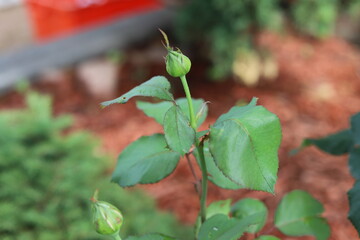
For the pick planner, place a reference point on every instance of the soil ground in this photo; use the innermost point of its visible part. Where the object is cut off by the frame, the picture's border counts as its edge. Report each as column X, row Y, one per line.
column 317, row 91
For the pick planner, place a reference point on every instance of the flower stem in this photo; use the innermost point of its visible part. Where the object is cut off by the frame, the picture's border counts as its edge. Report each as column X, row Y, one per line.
column 204, row 180
column 116, row 237
column 189, row 100
column 200, row 148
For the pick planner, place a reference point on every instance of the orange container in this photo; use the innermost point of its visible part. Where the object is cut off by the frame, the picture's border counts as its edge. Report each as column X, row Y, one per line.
column 54, row 18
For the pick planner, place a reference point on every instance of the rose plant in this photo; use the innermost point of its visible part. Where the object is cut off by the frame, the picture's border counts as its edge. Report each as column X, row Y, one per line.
column 240, row 150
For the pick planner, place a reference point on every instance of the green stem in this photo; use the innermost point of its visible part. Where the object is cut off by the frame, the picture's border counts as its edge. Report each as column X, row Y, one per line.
column 204, row 180
column 200, row 148
column 116, row 237
column 188, row 97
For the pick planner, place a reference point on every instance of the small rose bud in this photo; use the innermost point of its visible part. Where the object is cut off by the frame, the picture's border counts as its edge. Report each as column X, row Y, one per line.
column 106, row 217
column 177, row 64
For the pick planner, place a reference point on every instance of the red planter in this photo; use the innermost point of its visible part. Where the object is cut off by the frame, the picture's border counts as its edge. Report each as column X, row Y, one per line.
column 53, row 18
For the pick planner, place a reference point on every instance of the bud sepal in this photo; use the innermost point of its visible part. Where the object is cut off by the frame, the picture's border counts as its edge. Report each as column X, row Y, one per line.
column 177, row 64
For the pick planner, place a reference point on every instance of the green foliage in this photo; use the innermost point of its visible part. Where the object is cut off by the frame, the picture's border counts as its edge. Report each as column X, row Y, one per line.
column 336, row 144
column 315, row 17
column 154, row 236
column 40, row 171
column 353, row 7
column 298, row 214
column 354, row 162
column 246, row 137
column 139, row 163
column 47, row 178
column 355, row 128
column 247, row 207
column 216, row 176
column 244, row 143
column 158, row 110
column 354, row 200
column 226, row 26
column 156, row 87
column 345, row 141
column 219, row 207
column 238, row 151
column 221, row 227
column 266, row 237
column 179, row 135
column 225, row 30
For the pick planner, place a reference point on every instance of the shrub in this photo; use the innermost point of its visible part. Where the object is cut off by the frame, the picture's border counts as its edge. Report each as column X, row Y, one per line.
column 353, row 7
column 225, row 30
column 316, row 18
column 47, row 178
column 226, row 27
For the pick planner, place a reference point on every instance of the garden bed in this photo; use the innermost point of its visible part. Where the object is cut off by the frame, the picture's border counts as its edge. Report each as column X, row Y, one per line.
column 317, row 91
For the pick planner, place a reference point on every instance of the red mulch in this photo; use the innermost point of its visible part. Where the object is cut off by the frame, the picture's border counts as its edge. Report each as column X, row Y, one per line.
column 317, row 91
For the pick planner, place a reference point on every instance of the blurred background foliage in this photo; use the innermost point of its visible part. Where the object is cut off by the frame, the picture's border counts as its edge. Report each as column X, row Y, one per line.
column 225, row 30
column 315, row 18
column 47, row 177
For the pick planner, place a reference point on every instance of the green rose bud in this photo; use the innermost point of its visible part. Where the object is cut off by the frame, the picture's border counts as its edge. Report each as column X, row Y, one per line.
column 106, row 217
column 177, row 64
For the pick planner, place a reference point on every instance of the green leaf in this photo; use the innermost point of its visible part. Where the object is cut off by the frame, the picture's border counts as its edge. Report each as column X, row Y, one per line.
column 221, row 227
column 202, row 133
column 218, row 207
column 267, row 237
column 355, row 128
column 354, row 200
column 179, row 135
column 335, row 144
column 158, row 110
column 157, row 87
column 298, row 214
column 237, row 111
column 244, row 143
column 152, row 236
column 354, row 162
column 154, row 110
column 247, row 207
column 147, row 160
column 215, row 175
